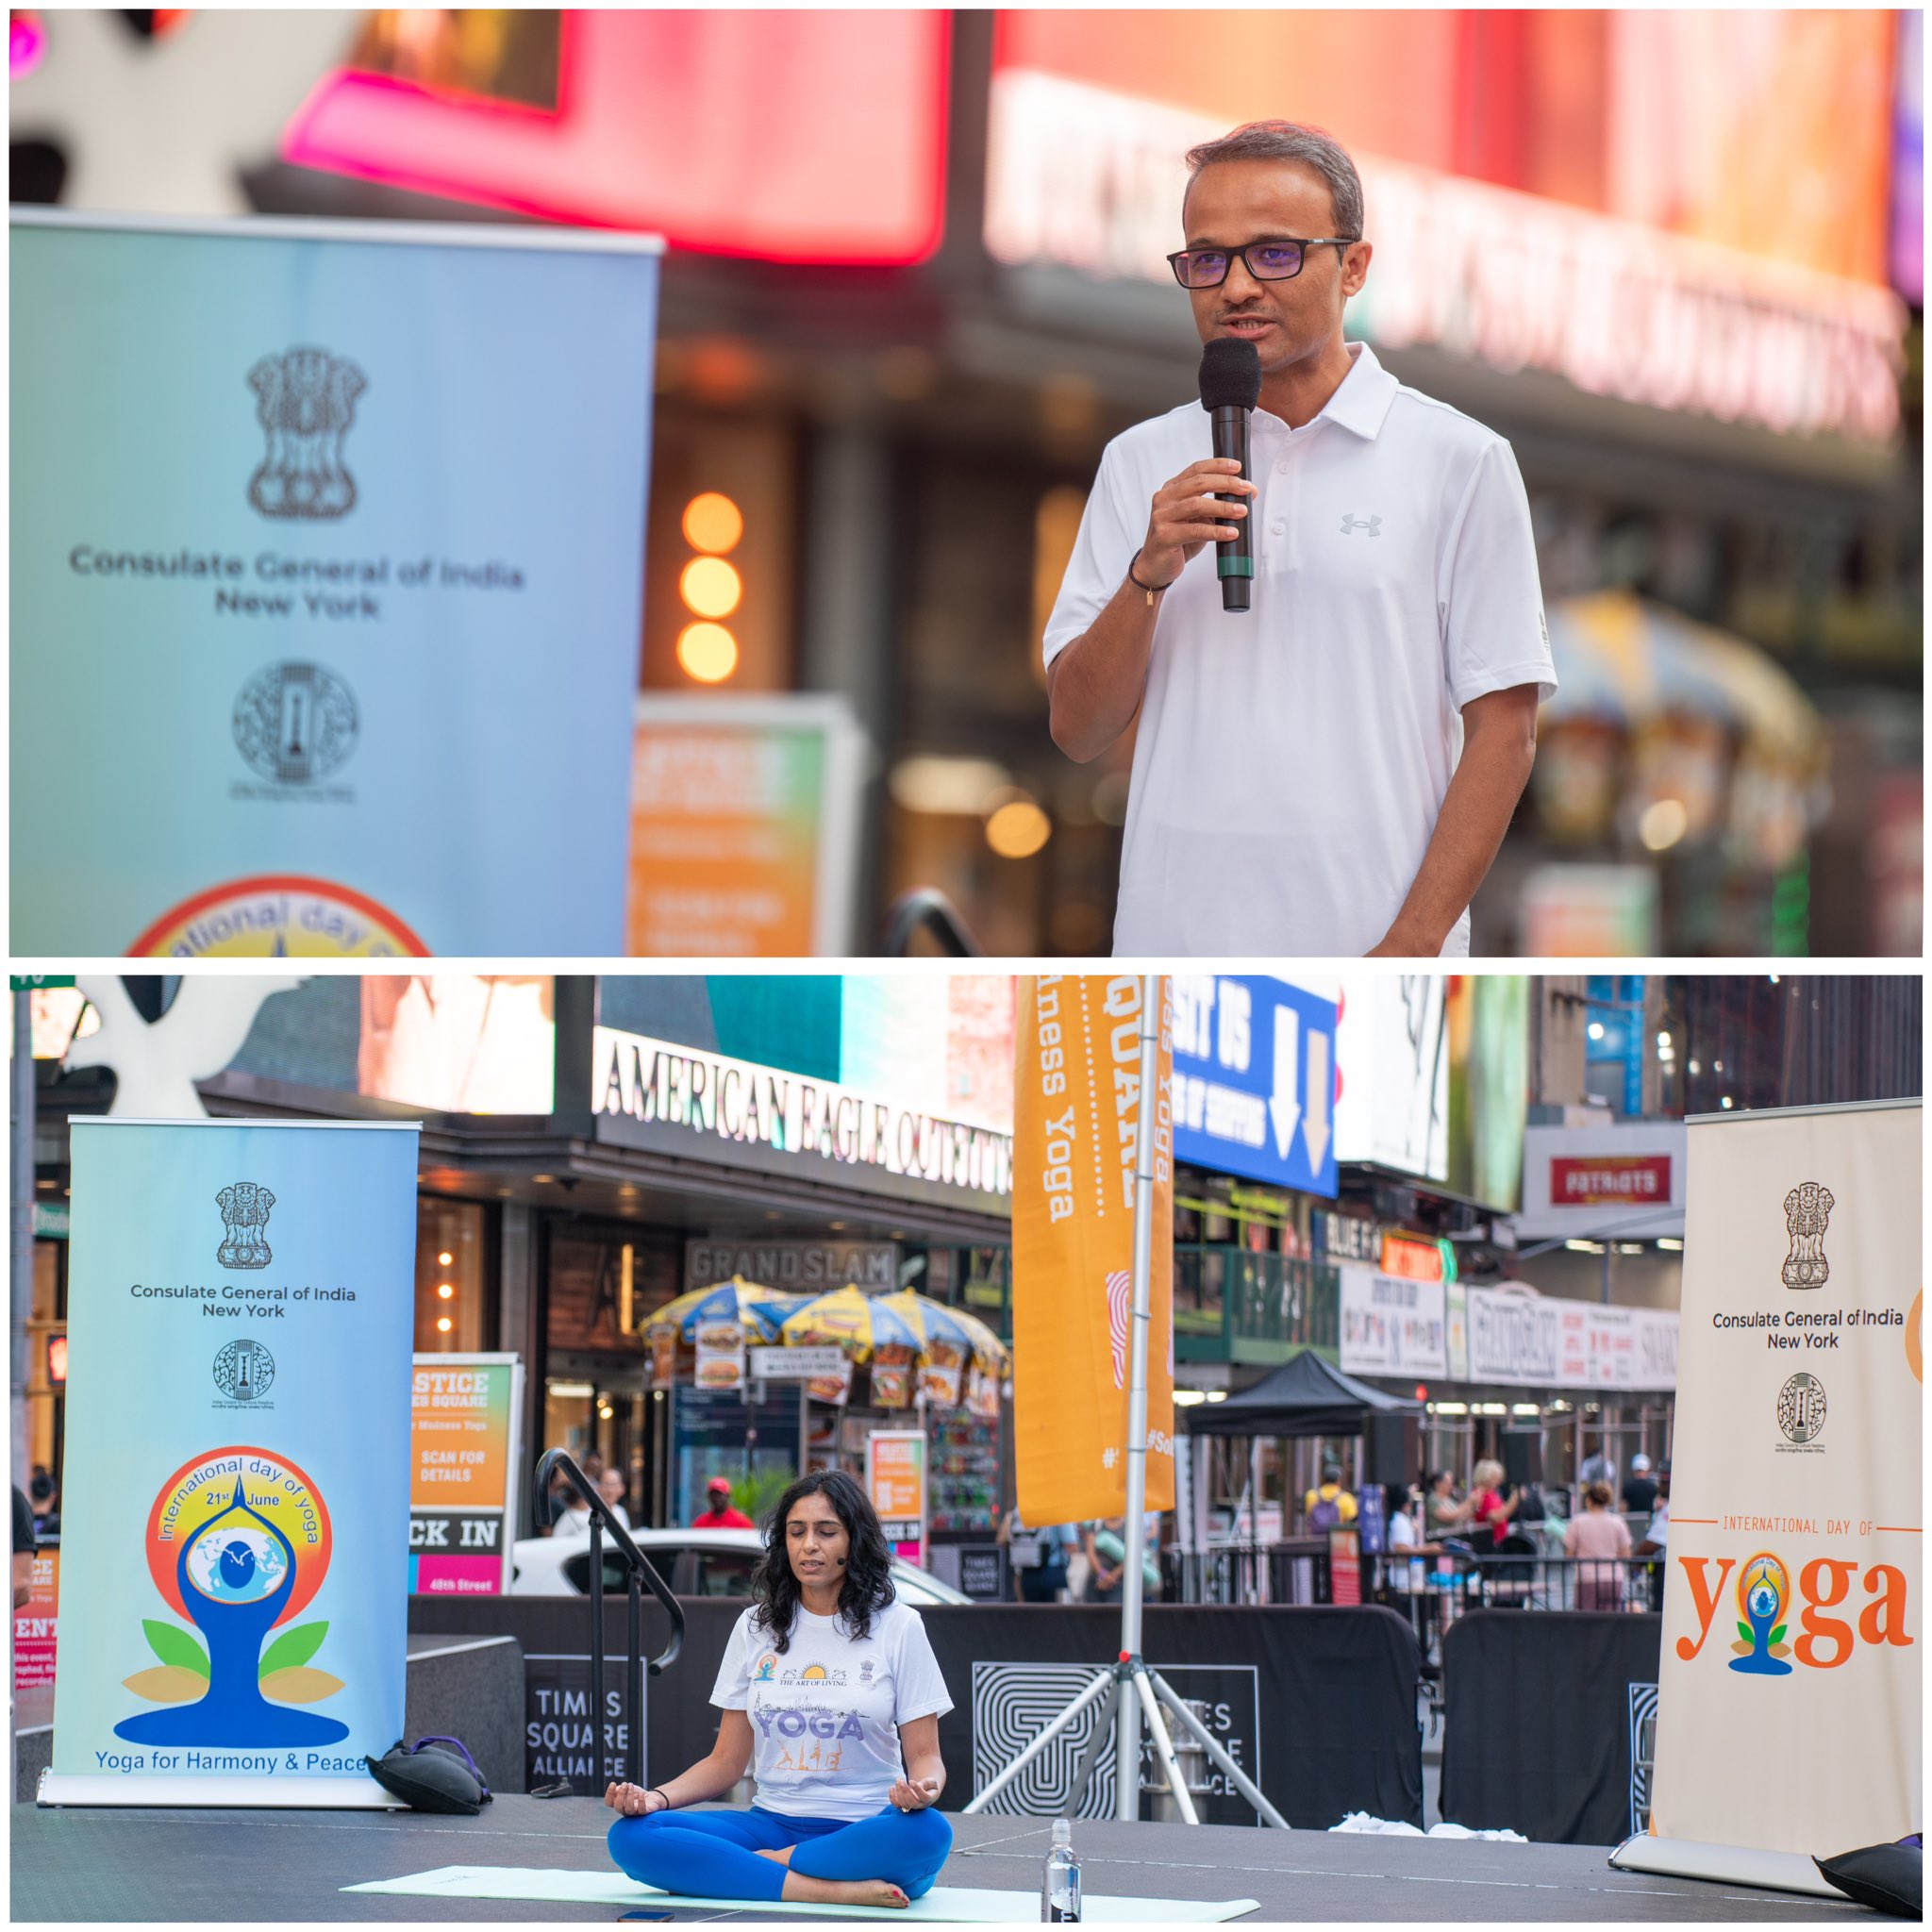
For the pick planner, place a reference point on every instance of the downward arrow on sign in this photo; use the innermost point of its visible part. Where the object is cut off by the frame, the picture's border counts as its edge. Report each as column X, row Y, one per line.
column 1315, row 1128
column 1284, row 1106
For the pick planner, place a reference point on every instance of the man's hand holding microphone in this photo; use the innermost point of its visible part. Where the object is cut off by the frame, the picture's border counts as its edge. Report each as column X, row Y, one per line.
column 1095, row 685
column 1188, row 511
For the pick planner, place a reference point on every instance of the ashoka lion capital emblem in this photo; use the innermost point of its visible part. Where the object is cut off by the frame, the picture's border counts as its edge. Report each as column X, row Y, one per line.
column 1807, row 1209
column 245, row 1211
column 306, row 401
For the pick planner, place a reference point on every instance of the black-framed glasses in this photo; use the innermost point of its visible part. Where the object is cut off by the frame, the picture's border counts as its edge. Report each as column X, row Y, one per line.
column 1268, row 262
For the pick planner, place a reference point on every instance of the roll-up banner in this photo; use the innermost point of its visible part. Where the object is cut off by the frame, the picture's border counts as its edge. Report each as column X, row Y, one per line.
column 1789, row 1715
column 328, row 556
column 1077, row 1100
column 234, row 1555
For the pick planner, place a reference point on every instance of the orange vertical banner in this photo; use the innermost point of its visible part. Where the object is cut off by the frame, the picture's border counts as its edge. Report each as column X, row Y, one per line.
column 1077, row 1103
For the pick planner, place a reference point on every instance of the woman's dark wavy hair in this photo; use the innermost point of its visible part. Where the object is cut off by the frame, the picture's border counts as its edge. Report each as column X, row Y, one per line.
column 868, row 1587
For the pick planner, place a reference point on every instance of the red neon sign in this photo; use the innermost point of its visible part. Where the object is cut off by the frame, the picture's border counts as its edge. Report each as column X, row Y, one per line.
column 789, row 137
column 1609, row 1181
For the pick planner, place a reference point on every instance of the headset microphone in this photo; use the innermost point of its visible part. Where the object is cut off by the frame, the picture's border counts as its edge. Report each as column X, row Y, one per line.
column 1230, row 388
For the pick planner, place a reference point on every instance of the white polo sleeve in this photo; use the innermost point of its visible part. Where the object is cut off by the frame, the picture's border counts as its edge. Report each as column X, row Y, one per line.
column 1494, row 635
column 732, row 1691
column 1109, row 535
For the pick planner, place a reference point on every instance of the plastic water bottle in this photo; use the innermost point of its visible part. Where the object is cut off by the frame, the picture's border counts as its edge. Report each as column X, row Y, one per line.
column 1059, row 1888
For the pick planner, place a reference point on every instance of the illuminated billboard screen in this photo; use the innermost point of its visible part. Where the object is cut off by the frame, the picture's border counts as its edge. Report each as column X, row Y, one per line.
column 937, row 1045
column 667, row 121
column 1683, row 211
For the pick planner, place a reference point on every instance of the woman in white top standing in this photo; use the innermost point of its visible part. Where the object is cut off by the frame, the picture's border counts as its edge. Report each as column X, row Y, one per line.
column 830, row 1692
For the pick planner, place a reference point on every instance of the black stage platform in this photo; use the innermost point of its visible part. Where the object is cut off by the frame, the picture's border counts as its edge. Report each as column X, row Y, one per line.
column 251, row 1866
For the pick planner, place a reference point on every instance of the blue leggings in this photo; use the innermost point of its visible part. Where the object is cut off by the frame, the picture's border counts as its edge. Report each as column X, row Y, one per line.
column 714, row 1854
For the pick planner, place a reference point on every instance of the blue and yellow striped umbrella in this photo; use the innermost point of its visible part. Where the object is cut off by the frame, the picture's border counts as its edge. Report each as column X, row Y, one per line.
column 761, row 1310
column 858, row 1323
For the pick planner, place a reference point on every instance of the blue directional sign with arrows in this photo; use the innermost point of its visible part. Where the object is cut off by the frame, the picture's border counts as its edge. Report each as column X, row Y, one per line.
column 1253, row 1074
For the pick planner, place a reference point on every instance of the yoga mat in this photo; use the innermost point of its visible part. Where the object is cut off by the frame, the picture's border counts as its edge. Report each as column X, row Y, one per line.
column 956, row 1905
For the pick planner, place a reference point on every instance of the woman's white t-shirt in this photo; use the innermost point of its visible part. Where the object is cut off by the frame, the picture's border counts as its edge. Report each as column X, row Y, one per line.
column 825, row 1715
column 1403, row 1576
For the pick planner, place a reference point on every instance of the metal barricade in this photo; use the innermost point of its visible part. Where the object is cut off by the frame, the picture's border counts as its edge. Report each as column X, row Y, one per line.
column 1433, row 1590
column 1228, row 1573
column 1284, row 1573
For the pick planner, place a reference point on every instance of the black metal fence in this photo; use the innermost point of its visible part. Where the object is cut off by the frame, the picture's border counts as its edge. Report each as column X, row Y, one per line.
column 1289, row 1572
column 1431, row 1591
column 1228, row 1301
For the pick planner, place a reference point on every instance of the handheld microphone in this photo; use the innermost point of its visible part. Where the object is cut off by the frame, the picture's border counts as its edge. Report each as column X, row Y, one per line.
column 1230, row 387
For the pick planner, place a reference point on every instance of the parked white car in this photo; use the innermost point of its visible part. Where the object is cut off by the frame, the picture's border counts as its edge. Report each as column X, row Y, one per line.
column 694, row 1562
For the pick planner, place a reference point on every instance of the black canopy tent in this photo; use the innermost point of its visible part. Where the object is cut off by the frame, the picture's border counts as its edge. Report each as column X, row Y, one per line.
column 1306, row 1396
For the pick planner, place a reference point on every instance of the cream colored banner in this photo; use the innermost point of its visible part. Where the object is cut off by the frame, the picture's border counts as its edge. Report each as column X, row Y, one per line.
column 1789, row 1715
column 1077, row 1104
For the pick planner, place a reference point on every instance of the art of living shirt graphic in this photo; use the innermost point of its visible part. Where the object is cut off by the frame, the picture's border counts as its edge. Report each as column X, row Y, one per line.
column 825, row 1713
column 1290, row 761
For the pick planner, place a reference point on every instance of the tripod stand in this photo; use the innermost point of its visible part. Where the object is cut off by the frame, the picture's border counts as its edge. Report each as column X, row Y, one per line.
column 1130, row 1689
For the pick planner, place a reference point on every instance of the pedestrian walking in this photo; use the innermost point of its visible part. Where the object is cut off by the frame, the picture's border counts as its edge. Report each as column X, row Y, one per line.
column 719, row 1514
column 1656, row 1536
column 1328, row 1506
column 1600, row 1543
column 24, row 1548
column 1639, row 1491
column 1039, row 1557
column 1489, row 1510
column 1107, row 1551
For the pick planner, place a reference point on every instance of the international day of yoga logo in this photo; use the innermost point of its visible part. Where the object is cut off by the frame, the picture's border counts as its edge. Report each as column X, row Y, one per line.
column 1764, row 1588
column 237, row 1543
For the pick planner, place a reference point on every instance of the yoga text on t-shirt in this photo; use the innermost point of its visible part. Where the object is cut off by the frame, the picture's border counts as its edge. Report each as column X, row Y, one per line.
column 825, row 1713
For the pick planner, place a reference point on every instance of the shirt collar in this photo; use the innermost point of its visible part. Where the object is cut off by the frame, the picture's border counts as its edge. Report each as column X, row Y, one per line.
column 1361, row 399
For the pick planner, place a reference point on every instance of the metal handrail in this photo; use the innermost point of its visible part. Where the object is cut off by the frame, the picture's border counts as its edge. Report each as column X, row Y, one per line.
column 640, row 1575
column 927, row 908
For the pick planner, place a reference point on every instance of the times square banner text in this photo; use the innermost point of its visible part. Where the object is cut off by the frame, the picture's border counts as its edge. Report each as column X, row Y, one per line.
column 326, row 579
column 234, row 1568
column 1076, row 1114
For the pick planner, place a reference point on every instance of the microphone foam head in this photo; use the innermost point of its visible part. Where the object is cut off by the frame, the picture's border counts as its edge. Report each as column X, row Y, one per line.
column 1230, row 375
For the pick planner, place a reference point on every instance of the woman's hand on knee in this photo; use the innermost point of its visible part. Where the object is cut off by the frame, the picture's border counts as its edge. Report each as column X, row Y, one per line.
column 633, row 1801
column 908, row 1794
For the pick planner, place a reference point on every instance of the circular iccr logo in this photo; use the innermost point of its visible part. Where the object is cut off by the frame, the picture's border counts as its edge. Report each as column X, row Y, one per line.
column 296, row 722
column 276, row 917
column 244, row 1370
column 1800, row 1407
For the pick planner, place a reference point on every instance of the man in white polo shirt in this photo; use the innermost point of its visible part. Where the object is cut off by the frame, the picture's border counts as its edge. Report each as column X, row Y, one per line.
column 1297, row 786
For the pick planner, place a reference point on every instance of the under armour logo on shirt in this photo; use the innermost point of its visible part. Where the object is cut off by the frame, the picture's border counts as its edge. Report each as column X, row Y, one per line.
column 1350, row 525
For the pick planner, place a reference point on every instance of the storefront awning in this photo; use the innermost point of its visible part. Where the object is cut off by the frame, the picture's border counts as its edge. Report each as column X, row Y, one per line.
column 1628, row 662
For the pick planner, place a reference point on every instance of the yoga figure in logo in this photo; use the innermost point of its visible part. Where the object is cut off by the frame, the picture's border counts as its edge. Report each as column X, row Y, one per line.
column 842, row 1736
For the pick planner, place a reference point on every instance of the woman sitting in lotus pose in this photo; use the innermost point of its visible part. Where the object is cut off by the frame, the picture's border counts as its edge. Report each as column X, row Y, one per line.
column 830, row 1692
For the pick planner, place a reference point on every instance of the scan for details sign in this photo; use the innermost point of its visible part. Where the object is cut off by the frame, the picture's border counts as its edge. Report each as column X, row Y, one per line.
column 235, row 1583
column 1793, row 1615
column 332, row 561
column 464, row 1455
